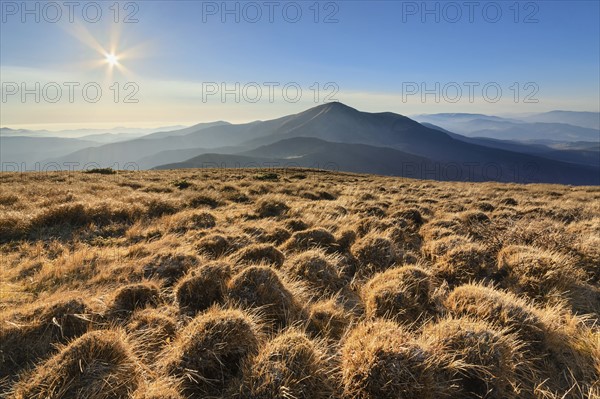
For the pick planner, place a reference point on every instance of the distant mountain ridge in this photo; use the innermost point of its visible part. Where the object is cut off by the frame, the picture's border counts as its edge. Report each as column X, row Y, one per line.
column 547, row 127
column 584, row 119
column 81, row 133
column 345, row 138
column 388, row 143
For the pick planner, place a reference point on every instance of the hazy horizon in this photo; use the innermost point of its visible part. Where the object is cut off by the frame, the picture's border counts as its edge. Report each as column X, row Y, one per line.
column 149, row 125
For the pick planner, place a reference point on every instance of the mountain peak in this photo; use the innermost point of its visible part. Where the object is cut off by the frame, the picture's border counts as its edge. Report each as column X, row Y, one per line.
column 335, row 106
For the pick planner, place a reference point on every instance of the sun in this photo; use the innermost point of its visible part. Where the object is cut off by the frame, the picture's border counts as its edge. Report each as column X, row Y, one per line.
column 112, row 59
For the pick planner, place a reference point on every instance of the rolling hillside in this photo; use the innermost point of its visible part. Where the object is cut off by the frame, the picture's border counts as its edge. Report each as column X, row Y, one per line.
column 296, row 283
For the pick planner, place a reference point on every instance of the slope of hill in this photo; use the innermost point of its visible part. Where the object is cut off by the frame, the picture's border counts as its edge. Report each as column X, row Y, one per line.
column 183, row 132
column 584, row 153
column 296, row 283
column 316, row 153
column 174, row 156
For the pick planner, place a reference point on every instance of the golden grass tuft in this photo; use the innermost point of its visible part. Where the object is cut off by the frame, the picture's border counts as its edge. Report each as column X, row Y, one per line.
column 318, row 269
column 271, row 207
column 289, row 366
column 262, row 288
column 537, row 272
column 374, row 253
column 190, row 220
column 296, row 224
column 208, row 354
column 30, row 337
column 149, row 332
column 276, row 236
column 259, row 253
column 381, row 360
column 213, row 246
column 440, row 246
column 491, row 358
column 563, row 350
column 345, row 239
column 466, row 263
column 134, row 296
column 328, row 319
column 497, row 307
column 97, row 365
column 310, row 239
column 203, row 287
column 411, row 215
column 403, row 294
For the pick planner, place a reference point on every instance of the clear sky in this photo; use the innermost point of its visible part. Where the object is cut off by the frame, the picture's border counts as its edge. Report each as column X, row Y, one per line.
column 398, row 56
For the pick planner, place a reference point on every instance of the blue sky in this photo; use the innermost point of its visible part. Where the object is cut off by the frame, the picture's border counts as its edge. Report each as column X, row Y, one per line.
column 372, row 52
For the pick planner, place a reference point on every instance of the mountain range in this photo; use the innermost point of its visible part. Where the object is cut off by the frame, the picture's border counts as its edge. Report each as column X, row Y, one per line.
column 336, row 136
column 540, row 128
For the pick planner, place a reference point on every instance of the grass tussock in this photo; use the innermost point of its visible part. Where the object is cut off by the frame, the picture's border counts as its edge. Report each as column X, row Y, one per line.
column 537, row 272
column 404, row 294
column 328, row 319
column 203, row 287
column 248, row 283
column 261, row 288
column 555, row 340
column 374, row 254
column 495, row 306
column 311, row 239
column 466, row 263
column 271, row 207
column 208, row 354
column 317, row 269
column 492, row 360
column 382, row 360
column 134, row 296
column 150, row 331
column 260, row 253
column 213, row 246
column 33, row 335
column 291, row 365
column 98, row 365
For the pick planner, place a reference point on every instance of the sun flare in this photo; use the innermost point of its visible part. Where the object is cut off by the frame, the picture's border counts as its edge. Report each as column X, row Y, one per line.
column 112, row 59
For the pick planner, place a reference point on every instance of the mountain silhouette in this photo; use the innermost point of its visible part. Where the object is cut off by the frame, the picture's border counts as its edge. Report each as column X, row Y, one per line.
column 348, row 139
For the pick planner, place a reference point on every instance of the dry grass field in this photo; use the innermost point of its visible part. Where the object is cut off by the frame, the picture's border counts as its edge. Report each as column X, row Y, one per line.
column 296, row 284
